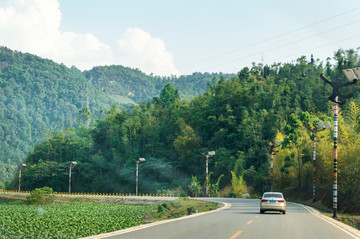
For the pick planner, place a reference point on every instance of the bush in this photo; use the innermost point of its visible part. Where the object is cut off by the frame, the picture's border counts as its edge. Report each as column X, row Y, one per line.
column 41, row 196
column 161, row 209
column 167, row 206
column 190, row 210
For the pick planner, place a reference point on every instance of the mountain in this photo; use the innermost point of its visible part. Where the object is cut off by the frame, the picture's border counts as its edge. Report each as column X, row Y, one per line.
column 126, row 85
column 38, row 96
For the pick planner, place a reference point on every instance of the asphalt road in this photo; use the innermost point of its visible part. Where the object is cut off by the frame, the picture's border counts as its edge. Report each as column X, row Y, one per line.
column 243, row 221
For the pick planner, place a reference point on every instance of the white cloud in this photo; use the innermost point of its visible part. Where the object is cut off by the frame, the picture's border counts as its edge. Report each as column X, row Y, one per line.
column 139, row 49
column 34, row 26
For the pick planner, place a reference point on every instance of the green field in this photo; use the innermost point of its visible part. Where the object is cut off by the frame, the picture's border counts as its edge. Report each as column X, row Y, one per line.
column 68, row 220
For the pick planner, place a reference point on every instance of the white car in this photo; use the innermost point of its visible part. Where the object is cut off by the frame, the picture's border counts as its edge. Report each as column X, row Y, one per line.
column 272, row 201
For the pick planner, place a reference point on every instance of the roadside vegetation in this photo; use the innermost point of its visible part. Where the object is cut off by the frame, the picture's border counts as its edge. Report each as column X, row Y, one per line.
column 23, row 217
column 179, row 208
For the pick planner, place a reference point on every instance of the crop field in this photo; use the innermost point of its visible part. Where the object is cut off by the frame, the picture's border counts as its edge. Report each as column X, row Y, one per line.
column 68, row 220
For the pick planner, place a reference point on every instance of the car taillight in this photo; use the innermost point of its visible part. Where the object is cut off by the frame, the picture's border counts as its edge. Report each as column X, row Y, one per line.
column 281, row 201
column 263, row 200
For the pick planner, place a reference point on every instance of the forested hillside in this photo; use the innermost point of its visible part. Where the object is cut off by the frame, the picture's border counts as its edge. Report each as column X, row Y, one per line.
column 131, row 85
column 39, row 96
column 238, row 118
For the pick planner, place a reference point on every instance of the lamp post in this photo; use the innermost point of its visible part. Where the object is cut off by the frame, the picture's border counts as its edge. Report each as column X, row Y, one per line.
column 352, row 75
column 320, row 126
column 272, row 153
column 209, row 154
column 20, row 167
column 71, row 165
column 137, row 173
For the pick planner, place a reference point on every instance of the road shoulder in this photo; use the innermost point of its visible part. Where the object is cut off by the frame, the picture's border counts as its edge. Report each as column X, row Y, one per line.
column 342, row 226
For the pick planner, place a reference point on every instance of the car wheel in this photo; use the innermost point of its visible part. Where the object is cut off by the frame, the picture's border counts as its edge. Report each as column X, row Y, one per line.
column 262, row 211
column 284, row 212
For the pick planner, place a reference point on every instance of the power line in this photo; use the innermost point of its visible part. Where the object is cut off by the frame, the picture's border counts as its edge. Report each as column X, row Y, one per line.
column 271, row 38
column 288, row 44
column 318, row 47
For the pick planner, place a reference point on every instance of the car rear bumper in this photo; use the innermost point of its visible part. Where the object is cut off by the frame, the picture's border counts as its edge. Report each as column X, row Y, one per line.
column 269, row 207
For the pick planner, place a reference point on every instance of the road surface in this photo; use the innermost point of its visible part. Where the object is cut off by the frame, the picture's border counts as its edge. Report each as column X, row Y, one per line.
column 243, row 221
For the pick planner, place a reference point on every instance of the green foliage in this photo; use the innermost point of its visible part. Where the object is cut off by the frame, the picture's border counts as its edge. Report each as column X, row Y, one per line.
column 39, row 96
column 238, row 185
column 190, row 210
column 73, row 220
column 195, row 186
column 41, row 196
column 215, row 188
column 236, row 116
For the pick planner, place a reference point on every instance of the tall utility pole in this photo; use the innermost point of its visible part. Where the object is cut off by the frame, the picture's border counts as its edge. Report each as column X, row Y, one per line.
column 20, row 167
column 71, row 165
column 272, row 153
column 209, row 154
column 320, row 126
column 137, row 173
column 352, row 75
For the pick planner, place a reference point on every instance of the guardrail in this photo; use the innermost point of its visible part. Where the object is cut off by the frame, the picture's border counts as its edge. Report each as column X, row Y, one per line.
column 82, row 194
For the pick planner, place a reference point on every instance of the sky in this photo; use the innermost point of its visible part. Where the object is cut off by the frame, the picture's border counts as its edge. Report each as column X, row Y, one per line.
column 177, row 37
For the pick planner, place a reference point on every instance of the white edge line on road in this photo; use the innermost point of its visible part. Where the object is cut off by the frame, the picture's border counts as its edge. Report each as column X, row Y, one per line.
column 136, row 228
column 354, row 233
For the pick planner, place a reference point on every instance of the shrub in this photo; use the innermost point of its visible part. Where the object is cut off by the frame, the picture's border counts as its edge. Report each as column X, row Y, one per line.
column 167, row 206
column 191, row 210
column 41, row 196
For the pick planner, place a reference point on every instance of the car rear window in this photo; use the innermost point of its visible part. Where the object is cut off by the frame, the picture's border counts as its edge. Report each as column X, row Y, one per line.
column 273, row 195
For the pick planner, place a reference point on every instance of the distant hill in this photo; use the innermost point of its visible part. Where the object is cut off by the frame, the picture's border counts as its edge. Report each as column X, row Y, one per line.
column 134, row 85
column 38, row 96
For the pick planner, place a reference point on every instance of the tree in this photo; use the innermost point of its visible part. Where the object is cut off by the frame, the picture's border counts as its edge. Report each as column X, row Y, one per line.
column 195, row 186
column 186, row 143
column 295, row 139
column 238, row 185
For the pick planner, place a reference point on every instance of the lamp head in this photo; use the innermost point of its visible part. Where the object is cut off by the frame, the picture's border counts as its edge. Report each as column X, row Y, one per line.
column 211, row 153
column 352, row 74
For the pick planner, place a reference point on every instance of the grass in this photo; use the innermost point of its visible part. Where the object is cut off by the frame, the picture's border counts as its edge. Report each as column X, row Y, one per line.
column 179, row 208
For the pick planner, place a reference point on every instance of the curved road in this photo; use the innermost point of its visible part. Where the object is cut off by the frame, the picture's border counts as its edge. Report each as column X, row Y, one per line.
column 243, row 221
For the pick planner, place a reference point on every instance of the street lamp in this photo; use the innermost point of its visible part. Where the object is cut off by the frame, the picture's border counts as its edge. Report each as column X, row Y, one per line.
column 320, row 126
column 209, row 154
column 20, row 167
column 137, row 172
column 272, row 153
column 352, row 75
column 71, row 165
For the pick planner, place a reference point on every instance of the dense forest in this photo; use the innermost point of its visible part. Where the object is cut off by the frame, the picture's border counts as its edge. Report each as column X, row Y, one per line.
column 39, row 97
column 238, row 118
